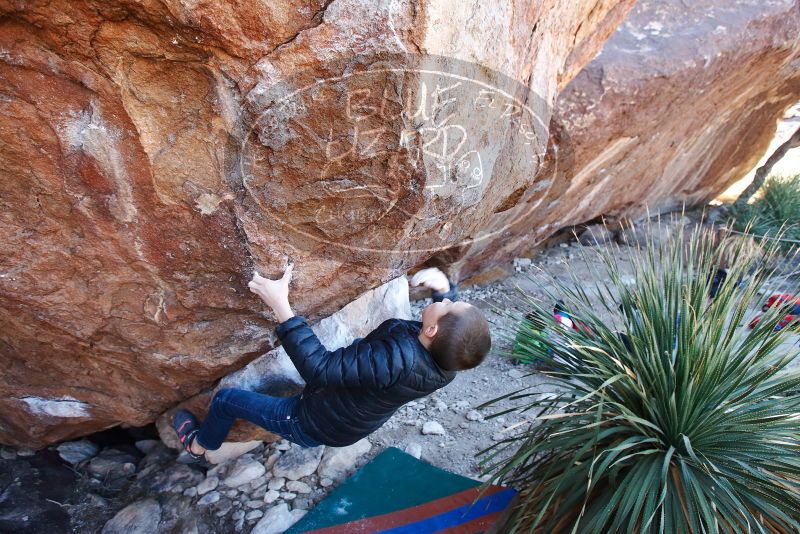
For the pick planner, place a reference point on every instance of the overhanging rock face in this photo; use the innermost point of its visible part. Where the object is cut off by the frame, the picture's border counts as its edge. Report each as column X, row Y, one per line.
column 683, row 101
column 153, row 155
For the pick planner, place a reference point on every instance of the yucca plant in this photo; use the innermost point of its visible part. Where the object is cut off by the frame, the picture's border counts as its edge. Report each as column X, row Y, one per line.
column 776, row 211
column 665, row 413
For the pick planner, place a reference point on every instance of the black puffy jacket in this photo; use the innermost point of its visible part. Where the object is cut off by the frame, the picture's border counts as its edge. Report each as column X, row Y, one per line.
column 350, row 392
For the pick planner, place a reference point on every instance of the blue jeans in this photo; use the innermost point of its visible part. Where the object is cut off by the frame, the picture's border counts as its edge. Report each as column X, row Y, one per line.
column 276, row 414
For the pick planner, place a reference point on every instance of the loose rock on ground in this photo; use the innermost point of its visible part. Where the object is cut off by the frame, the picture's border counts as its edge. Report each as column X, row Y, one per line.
column 141, row 517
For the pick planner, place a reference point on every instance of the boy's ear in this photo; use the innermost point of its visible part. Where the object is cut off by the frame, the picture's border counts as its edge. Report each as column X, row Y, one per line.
column 431, row 330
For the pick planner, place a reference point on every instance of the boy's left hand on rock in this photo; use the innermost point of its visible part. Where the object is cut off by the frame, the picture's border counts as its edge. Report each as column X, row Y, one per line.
column 274, row 293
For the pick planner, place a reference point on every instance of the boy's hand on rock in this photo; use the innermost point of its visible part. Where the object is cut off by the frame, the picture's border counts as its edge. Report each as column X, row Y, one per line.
column 274, row 293
column 431, row 278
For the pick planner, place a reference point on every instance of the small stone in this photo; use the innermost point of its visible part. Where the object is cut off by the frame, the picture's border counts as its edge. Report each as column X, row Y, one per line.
column 463, row 424
column 157, row 460
column 209, row 498
column 244, row 470
column 223, row 507
column 298, row 462
column 326, row 482
column 75, row 452
column 146, row 446
column 414, row 449
column 516, row 373
column 230, row 450
column 231, row 493
column 258, row 482
column 521, row 264
column 433, row 428
column 337, row 462
column 210, row 483
column 283, row 445
column 301, row 503
column 110, row 464
column 238, row 514
column 140, row 517
column 474, row 415
column 216, row 471
column 460, row 406
column 276, row 483
column 270, row 463
column 7, row 454
column 253, row 514
column 296, row 486
column 259, row 493
column 271, row 496
column 25, row 452
column 288, row 495
column 277, row 519
column 190, row 492
column 498, row 436
column 254, row 504
column 440, row 405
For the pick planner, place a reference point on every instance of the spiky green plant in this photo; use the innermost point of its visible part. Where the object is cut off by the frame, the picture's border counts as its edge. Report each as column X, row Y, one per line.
column 690, row 425
column 777, row 211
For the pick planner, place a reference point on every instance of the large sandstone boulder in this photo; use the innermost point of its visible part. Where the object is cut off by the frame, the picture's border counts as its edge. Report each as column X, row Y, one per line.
column 154, row 153
column 683, row 101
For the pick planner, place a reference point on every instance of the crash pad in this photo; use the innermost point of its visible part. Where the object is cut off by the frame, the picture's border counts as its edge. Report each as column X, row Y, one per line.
column 400, row 494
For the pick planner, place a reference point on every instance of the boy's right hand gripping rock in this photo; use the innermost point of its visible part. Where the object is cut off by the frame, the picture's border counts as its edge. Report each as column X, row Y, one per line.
column 432, row 278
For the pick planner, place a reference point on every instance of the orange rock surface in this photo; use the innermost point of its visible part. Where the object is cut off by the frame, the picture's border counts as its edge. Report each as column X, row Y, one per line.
column 682, row 102
column 152, row 155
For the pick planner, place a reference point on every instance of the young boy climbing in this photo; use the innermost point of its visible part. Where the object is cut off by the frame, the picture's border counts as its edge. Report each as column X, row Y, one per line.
column 350, row 392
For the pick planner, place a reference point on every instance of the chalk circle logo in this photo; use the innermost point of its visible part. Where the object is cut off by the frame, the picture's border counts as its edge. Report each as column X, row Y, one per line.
column 392, row 155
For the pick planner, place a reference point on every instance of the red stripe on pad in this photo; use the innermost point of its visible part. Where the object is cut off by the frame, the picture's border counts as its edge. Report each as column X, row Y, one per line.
column 413, row 514
column 479, row 524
